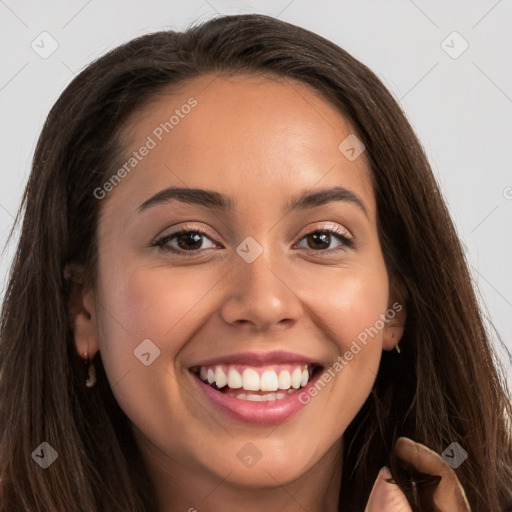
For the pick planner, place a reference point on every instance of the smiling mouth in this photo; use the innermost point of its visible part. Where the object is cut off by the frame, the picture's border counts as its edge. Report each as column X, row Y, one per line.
column 257, row 383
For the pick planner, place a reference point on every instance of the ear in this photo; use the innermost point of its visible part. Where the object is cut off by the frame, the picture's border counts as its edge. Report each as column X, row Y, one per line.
column 82, row 312
column 396, row 315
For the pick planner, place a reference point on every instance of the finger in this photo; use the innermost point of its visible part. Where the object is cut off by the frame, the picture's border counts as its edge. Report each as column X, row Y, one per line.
column 385, row 496
column 449, row 495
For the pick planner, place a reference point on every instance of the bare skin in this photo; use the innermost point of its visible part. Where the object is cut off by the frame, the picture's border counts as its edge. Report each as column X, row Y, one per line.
column 261, row 142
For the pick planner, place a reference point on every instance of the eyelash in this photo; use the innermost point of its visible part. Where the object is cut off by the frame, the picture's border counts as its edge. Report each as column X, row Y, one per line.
column 346, row 241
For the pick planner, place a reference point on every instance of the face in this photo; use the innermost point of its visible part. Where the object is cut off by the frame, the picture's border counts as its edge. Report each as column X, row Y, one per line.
column 261, row 295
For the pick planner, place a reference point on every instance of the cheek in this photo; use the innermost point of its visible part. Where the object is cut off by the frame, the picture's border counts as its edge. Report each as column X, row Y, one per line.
column 348, row 309
column 155, row 303
column 141, row 304
column 347, row 303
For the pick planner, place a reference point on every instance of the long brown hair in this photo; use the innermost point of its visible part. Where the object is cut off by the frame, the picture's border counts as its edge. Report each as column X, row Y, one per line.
column 444, row 387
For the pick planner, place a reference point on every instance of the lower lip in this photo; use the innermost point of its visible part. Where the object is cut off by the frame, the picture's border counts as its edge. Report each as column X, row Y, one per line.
column 270, row 412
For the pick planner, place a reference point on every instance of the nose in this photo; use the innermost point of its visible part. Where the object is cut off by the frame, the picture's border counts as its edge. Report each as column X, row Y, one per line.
column 260, row 296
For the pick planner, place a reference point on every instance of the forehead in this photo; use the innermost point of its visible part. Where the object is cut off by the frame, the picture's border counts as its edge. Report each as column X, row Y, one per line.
column 238, row 133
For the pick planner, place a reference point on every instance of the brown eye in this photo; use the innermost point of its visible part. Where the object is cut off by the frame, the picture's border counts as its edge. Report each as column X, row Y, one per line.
column 189, row 241
column 320, row 240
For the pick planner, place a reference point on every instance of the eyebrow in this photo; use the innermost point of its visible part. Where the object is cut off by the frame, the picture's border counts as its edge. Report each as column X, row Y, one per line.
column 221, row 202
column 198, row 196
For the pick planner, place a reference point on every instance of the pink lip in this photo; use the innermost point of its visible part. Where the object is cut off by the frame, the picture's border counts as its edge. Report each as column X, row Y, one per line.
column 257, row 359
column 264, row 413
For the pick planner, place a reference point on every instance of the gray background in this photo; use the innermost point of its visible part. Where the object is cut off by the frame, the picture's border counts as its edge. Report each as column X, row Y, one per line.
column 460, row 104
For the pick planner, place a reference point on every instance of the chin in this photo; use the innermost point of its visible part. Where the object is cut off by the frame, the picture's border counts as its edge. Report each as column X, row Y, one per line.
column 262, row 464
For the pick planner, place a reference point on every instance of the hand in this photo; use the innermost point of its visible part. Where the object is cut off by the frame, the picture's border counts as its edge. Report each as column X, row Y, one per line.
column 449, row 496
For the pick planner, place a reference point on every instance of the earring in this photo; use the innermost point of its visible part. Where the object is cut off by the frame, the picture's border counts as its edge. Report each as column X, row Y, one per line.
column 91, row 372
column 397, row 348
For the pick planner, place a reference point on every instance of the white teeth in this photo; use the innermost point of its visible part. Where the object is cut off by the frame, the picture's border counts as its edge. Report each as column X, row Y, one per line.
column 250, row 380
column 254, row 398
column 268, row 381
column 285, row 380
column 304, row 379
column 261, row 398
column 296, row 378
column 220, row 377
column 234, row 379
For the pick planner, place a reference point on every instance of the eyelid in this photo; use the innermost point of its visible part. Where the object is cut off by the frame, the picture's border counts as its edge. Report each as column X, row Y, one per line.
column 186, row 227
column 344, row 235
column 161, row 241
column 329, row 225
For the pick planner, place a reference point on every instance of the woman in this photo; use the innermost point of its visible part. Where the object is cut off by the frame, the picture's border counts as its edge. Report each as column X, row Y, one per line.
column 237, row 231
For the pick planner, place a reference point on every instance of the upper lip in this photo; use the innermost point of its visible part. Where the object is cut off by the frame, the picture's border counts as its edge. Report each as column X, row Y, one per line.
column 257, row 359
